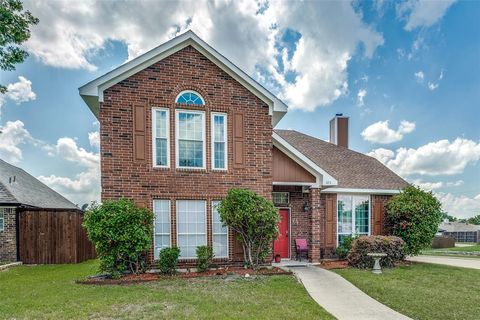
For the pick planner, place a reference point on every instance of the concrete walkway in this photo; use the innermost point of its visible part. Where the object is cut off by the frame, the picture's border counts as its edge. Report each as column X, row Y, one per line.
column 473, row 263
column 341, row 298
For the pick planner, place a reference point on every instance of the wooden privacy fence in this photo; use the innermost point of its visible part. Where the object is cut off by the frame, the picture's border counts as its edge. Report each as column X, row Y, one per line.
column 49, row 236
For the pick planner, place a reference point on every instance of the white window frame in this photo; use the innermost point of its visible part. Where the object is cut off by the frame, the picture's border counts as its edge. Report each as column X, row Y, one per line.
column 212, row 129
column 190, row 91
column 161, row 234
column 205, row 220
column 154, row 136
column 288, row 197
column 204, row 156
column 213, row 234
column 2, row 218
column 353, row 234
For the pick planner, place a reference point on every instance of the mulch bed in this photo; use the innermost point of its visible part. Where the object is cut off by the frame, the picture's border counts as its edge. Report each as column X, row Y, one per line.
column 222, row 273
column 334, row 264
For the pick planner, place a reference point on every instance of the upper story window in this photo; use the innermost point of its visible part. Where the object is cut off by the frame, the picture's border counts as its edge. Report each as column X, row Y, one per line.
column 161, row 137
column 189, row 97
column 190, row 139
column 219, row 141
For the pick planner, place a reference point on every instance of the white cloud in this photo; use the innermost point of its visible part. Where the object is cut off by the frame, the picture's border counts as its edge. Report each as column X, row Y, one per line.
column 94, row 139
column 437, row 185
column 459, row 206
column 422, row 13
column 249, row 33
column 380, row 132
column 84, row 187
column 432, row 86
column 360, row 96
column 435, row 158
column 420, row 76
column 12, row 137
column 18, row 92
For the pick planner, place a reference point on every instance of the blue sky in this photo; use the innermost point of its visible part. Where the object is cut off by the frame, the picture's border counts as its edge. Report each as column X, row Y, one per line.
column 407, row 73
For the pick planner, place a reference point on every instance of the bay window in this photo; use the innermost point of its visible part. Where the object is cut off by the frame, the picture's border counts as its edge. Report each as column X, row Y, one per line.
column 219, row 141
column 191, row 226
column 190, row 139
column 353, row 216
column 161, row 210
column 161, row 141
column 220, row 234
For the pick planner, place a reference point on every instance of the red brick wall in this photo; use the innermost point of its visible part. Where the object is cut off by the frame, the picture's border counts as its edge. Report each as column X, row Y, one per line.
column 157, row 86
column 8, row 237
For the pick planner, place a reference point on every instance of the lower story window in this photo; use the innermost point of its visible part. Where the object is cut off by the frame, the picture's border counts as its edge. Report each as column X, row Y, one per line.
column 220, row 234
column 353, row 214
column 191, row 226
column 161, row 209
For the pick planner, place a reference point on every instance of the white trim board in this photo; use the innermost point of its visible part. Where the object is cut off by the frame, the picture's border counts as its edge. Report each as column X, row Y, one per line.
column 92, row 92
column 323, row 177
column 361, row 191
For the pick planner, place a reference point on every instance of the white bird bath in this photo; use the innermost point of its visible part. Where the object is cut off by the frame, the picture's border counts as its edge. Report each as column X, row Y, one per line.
column 377, row 268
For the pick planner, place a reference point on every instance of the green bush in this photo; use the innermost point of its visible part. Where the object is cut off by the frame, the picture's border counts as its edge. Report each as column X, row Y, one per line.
column 121, row 233
column 254, row 219
column 344, row 247
column 204, row 258
column 414, row 215
column 168, row 259
column 391, row 245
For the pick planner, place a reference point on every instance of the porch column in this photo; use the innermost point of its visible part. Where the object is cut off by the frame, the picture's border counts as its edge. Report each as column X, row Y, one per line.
column 315, row 224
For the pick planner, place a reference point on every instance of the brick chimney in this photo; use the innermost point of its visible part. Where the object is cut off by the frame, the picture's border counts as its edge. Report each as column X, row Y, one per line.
column 339, row 130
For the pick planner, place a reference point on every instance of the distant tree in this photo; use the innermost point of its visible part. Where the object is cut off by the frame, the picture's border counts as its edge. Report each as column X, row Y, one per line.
column 14, row 30
column 414, row 215
column 474, row 220
column 446, row 216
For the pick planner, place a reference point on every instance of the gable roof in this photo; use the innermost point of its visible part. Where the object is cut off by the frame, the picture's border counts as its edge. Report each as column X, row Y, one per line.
column 456, row 226
column 350, row 169
column 24, row 189
column 92, row 92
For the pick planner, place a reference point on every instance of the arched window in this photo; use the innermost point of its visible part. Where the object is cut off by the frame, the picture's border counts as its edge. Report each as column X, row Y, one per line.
column 189, row 97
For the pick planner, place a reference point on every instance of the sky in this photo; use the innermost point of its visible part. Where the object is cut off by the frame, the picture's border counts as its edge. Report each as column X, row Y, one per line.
column 407, row 74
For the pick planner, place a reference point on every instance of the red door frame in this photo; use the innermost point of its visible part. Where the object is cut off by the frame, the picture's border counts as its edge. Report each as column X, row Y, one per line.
column 289, row 211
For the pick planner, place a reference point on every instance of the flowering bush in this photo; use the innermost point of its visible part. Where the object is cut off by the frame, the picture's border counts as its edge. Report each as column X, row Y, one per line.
column 361, row 247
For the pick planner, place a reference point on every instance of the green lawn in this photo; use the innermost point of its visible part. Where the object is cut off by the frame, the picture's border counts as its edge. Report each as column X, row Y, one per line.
column 43, row 292
column 450, row 251
column 423, row 291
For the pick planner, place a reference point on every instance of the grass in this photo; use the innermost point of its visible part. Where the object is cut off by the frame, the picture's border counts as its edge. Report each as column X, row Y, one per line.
column 49, row 292
column 423, row 291
column 451, row 252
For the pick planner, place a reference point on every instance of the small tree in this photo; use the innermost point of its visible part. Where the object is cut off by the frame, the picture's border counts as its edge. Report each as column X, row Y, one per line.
column 121, row 233
column 255, row 221
column 414, row 215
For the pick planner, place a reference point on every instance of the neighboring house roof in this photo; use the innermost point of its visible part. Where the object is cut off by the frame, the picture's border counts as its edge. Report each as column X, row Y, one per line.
column 458, row 227
column 351, row 169
column 92, row 92
column 18, row 187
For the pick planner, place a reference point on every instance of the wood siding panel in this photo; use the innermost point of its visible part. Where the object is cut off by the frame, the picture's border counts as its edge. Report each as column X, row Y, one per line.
column 238, row 139
column 377, row 217
column 286, row 169
column 139, row 133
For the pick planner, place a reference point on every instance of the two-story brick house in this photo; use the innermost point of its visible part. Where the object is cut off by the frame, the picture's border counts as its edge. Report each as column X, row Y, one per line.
column 181, row 125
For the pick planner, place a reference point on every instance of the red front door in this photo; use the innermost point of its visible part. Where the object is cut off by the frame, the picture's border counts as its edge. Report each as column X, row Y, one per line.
column 281, row 244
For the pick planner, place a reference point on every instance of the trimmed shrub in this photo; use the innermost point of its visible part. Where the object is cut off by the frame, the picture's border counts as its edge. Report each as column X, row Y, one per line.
column 204, row 258
column 121, row 233
column 343, row 249
column 414, row 215
column 254, row 219
column 391, row 245
column 168, row 259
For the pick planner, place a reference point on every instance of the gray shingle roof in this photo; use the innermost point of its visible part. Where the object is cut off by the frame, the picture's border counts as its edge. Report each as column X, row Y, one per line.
column 351, row 169
column 458, row 227
column 19, row 187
